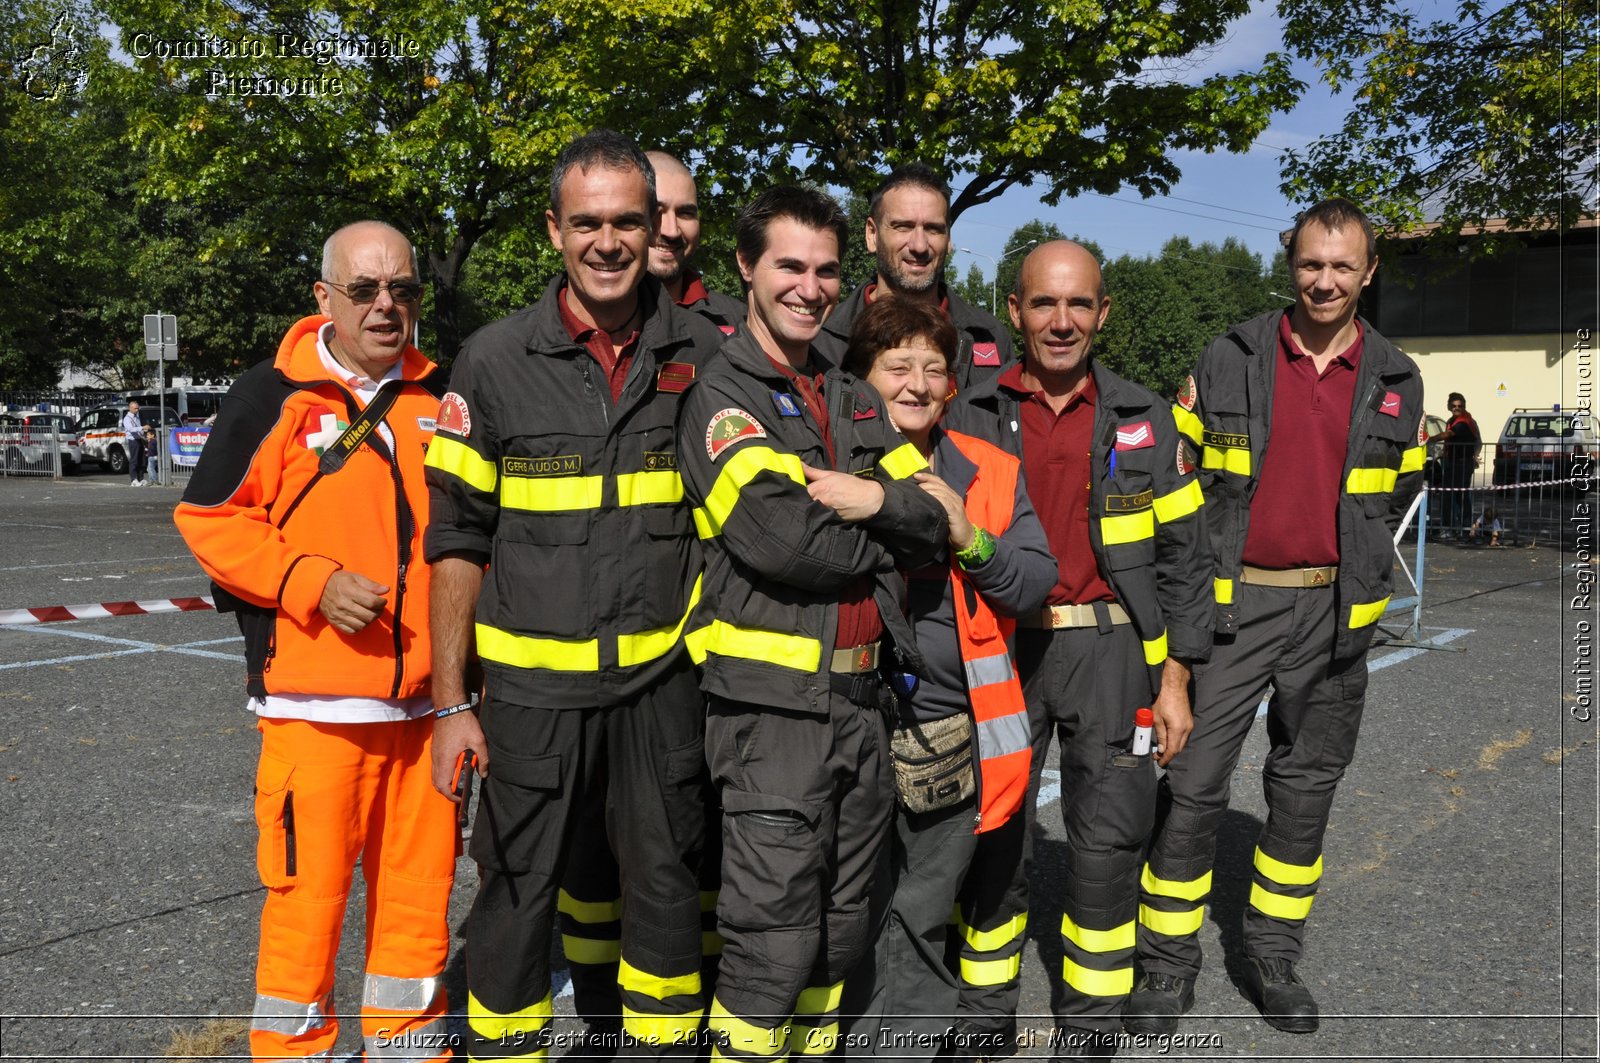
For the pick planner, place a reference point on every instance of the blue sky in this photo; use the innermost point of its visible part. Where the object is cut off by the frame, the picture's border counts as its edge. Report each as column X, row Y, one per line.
column 1220, row 195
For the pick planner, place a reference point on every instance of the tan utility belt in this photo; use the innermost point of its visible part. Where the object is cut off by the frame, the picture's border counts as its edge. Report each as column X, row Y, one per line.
column 1289, row 577
column 1060, row 616
column 855, row 659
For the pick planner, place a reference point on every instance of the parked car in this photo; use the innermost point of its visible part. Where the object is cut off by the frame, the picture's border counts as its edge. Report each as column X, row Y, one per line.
column 1430, row 467
column 1540, row 446
column 100, row 433
column 26, row 437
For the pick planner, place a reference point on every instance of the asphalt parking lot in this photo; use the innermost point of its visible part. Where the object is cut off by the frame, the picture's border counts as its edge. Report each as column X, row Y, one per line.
column 1456, row 919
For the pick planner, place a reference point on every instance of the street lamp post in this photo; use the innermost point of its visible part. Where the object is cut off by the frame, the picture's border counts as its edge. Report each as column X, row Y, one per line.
column 994, row 279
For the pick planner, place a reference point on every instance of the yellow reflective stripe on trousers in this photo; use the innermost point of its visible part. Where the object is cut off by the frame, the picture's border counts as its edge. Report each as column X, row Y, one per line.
column 1155, row 650
column 649, row 488
column 1288, row 874
column 592, row 951
column 1277, row 905
column 1173, row 924
column 990, row 972
column 774, row 647
column 1192, row 890
column 1229, row 459
column 607, row 911
column 1371, row 481
column 494, row 1026
column 1413, row 459
column 523, row 651
column 1175, row 505
column 1093, row 983
column 1224, row 591
column 743, row 467
column 1364, row 613
column 1127, row 527
column 646, row 646
column 662, row 1029
column 464, row 463
column 745, row 1038
column 812, row 1038
column 999, row 937
column 1118, row 937
column 902, row 461
column 555, row 494
column 814, row 1000
column 659, row 987
column 1188, row 423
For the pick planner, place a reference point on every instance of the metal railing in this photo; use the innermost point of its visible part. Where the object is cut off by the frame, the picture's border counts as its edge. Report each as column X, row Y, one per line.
column 1517, row 496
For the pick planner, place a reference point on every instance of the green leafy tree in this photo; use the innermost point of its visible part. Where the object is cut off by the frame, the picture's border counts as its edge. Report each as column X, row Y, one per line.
column 1486, row 113
column 1072, row 95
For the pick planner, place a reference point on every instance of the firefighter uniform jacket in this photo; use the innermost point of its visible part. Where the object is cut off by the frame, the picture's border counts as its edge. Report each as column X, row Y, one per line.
column 983, row 344
column 269, row 526
column 1225, row 411
column 575, row 501
column 1145, row 523
column 723, row 311
column 775, row 559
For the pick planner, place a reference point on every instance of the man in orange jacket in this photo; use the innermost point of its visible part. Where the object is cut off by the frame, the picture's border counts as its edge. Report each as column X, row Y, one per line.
column 307, row 510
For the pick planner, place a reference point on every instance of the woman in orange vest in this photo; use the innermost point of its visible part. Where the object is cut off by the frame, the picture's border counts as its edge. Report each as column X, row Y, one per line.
column 961, row 741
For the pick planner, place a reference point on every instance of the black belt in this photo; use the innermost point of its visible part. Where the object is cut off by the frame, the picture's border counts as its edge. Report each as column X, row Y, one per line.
column 860, row 687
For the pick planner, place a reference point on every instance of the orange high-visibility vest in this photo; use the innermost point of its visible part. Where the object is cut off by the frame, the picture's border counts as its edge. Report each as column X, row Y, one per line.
column 999, row 715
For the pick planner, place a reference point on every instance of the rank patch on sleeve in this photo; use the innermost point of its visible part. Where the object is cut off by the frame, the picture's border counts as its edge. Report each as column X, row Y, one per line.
column 454, row 416
column 1186, row 393
column 728, row 427
column 1136, row 436
column 674, row 377
column 985, row 354
column 1390, row 406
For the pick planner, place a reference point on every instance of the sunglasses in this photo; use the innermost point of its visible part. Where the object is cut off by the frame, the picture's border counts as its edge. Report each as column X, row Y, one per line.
column 363, row 292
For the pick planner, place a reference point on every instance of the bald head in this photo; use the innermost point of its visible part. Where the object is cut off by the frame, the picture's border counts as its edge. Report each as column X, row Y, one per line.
column 1059, row 306
column 359, row 232
column 678, row 234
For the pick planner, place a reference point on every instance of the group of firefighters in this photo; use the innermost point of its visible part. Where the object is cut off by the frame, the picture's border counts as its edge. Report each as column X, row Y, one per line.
column 756, row 618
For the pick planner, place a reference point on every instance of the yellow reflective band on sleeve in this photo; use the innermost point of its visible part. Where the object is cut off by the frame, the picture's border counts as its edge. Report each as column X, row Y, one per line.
column 1371, row 481
column 592, row 951
column 1093, row 983
column 1192, row 890
column 1188, row 423
column 589, row 911
column 556, row 494
column 817, row 999
column 662, row 1029
column 774, row 647
column 1413, row 459
column 1287, row 874
column 695, row 640
column 1229, row 459
column 1127, row 527
column 1362, row 614
column 740, row 470
column 902, row 461
column 1224, row 591
column 711, row 943
column 999, row 937
column 522, row 651
column 1180, row 503
column 464, row 463
column 496, row 1026
column 1172, row 924
column 1120, row 937
column 649, row 488
column 646, row 646
column 813, row 1040
column 990, row 972
column 745, row 1038
column 1155, row 650
column 1277, row 905
column 658, row 987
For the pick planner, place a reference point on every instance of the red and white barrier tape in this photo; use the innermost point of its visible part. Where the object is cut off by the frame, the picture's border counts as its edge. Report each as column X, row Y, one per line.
column 52, row 613
column 1585, row 480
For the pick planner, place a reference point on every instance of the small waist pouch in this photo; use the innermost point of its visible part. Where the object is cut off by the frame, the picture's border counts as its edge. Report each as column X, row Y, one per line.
column 933, row 763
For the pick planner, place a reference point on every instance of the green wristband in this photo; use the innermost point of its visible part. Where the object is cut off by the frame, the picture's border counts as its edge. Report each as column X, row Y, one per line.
column 979, row 551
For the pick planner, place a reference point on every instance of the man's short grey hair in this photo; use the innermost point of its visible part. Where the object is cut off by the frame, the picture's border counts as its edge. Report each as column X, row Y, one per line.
column 327, row 247
column 601, row 147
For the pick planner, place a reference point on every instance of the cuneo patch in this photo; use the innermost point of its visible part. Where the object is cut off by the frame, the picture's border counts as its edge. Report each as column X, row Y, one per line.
column 728, row 427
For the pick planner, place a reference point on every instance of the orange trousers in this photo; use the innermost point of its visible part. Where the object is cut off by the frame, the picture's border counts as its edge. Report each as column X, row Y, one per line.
column 327, row 794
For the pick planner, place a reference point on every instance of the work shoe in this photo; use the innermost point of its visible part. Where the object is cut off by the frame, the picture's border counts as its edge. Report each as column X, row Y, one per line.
column 1157, row 1002
column 1075, row 1042
column 1278, row 993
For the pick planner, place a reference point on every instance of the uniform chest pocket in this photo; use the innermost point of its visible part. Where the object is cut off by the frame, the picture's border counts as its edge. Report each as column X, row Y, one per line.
column 552, row 473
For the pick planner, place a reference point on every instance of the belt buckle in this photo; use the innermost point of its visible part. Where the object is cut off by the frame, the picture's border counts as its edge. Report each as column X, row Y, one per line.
column 1314, row 577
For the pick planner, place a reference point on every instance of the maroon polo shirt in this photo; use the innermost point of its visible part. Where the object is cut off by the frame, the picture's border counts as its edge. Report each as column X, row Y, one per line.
column 613, row 361
column 1294, row 516
column 859, row 619
column 1055, row 460
column 694, row 290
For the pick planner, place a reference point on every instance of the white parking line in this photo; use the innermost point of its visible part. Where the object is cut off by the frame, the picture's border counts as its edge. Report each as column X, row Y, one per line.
column 101, row 561
column 187, row 649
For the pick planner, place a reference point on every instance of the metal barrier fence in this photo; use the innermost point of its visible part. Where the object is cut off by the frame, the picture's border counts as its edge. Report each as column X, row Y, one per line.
column 1516, row 496
column 40, row 449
